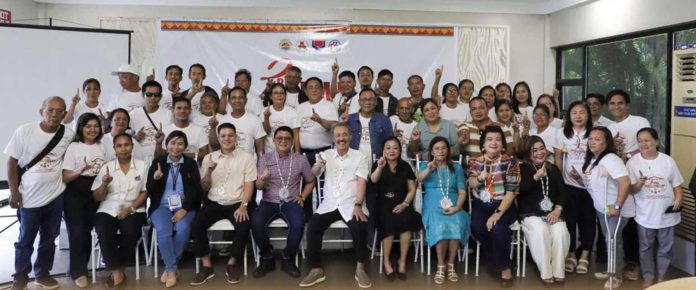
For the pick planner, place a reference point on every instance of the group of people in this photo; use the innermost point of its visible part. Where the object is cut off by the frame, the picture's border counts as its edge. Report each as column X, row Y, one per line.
column 186, row 159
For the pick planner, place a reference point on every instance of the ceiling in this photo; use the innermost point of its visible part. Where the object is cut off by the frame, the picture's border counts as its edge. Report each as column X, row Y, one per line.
column 480, row 6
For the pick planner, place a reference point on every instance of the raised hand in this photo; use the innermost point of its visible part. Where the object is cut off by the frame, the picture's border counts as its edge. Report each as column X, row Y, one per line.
column 197, row 87
column 381, row 162
column 463, row 135
column 415, row 134
column 541, row 172
column 107, row 178
column 159, row 136
column 76, row 97
column 151, row 77
column 334, row 66
column 574, row 174
column 85, row 165
column 267, row 112
column 158, row 173
column 432, row 166
column 140, row 134
column 438, row 71
column 265, row 175
column 101, row 115
column 225, row 89
column 213, row 122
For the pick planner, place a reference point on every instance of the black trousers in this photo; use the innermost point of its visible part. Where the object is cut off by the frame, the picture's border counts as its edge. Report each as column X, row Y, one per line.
column 118, row 248
column 580, row 212
column 318, row 225
column 211, row 213
column 79, row 210
column 630, row 242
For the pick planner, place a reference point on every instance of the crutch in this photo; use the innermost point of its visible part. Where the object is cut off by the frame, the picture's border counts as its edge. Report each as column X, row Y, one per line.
column 611, row 238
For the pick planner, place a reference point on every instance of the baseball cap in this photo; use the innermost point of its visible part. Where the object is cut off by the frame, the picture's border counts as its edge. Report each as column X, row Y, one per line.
column 126, row 68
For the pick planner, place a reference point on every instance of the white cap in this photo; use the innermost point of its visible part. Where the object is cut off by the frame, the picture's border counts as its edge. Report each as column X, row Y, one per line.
column 127, row 68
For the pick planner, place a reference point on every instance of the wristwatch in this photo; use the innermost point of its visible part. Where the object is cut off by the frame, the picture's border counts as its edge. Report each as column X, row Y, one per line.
column 358, row 204
column 617, row 207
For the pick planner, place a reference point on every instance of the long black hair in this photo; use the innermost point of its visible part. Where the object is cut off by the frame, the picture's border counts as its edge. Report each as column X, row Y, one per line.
column 82, row 122
column 608, row 140
column 515, row 102
column 568, row 127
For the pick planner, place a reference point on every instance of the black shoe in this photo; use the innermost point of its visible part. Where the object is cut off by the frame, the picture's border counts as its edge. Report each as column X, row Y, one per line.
column 288, row 266
column 204, row 275
column 401, row 276
column 46, row 282
column 233, row 273
column 391, row 276
column 19, row 284
column 266, row 266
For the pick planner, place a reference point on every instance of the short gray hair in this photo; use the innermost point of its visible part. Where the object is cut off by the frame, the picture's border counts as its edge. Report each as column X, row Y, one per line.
column 45, row 102
column 340, row 124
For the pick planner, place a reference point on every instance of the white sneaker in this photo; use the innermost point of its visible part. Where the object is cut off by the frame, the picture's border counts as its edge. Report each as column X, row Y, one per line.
column 82, row 282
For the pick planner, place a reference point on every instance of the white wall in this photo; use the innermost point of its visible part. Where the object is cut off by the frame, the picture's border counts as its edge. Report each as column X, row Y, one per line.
column 606, row 18
column 21, row 10
column 527, row 32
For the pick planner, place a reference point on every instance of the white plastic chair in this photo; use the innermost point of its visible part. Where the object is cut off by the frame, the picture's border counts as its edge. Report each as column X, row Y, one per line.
column 96, row 253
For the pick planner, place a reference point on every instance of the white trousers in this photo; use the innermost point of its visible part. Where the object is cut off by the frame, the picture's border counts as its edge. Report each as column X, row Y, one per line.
column 548, row 245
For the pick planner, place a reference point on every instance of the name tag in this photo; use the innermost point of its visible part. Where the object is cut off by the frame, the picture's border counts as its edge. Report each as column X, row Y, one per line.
column 174, row 202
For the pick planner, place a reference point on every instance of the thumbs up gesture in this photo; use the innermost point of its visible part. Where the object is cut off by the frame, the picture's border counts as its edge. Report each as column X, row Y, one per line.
column 158, row 173
column 76, row 97
column 107, row 178
column 315, row 117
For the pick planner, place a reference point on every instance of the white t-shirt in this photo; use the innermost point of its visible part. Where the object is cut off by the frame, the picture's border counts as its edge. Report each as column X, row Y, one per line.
column 552, row 140
column 657, row 193
column 124, row 188
column 78, row 152
column 202, row 120
column 457, row 115
column 628, row 128
column 312, row 134
column 557, row 123
column 126, row 100
column 195, row 135
column 82, row 108
column 254, row 105
column 406, row 131
column 353, row 104
column 385, row 106
column 107, row 143
column 292, row 99
column 44, row 181
column 529, row 113
column 602, row 185
column 492, row 115
column 574, row 149
column 249, row 128
column 365, row 147
column 603, row 121
column 287, row 117
column 139, row 120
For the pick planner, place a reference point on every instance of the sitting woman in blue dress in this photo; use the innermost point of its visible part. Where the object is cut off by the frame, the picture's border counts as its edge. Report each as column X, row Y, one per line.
column 446, row 224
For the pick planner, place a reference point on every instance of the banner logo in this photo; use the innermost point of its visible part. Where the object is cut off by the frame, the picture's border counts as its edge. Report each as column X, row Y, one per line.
column 5, row 16
column 318, row 44
column 285, row 44
column 301, row 45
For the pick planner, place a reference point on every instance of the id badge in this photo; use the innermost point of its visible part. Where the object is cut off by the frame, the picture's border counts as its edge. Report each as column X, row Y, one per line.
column 174, row 202
column 446, row 203
column 485, row 196
column 283, row 193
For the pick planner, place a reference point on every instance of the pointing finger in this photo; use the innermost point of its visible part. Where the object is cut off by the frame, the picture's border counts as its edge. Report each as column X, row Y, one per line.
column 159, row 167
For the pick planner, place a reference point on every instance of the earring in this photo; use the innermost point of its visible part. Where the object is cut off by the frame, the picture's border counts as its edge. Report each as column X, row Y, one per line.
column 483, row 149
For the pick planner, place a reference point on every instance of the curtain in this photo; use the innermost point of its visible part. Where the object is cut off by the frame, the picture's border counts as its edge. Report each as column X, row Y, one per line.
column 143, row 40
column 483, row 54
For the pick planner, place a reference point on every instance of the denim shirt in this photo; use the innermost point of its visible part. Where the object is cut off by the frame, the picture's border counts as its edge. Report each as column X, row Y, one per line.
column 380, row 130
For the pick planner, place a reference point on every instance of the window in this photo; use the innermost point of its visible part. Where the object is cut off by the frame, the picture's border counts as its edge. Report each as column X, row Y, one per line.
column 685, row 39
column 571, row 67
column 638, row 66
column 571, row 75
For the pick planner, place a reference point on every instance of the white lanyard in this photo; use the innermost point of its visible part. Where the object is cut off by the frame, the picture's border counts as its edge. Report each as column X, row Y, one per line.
column 283, row 193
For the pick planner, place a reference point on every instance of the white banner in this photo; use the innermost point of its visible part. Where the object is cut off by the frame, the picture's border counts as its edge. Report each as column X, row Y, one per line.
column 267, row 50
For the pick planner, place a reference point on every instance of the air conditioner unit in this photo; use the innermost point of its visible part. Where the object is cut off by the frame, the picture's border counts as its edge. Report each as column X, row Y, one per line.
column 684, row 110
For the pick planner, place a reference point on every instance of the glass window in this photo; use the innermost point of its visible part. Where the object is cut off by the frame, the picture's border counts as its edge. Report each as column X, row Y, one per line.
column 571, row 94
column 685, row 39
column 638, row 66
column 571, row 63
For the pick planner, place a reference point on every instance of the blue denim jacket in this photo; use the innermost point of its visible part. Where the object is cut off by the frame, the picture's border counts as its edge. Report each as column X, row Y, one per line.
column 380, row 130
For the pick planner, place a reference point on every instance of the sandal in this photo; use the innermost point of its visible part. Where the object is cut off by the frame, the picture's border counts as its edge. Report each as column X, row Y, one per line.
column 548, row 281
column 451, row 273
column 570, row 264
column 439, row 277
column 583, row 265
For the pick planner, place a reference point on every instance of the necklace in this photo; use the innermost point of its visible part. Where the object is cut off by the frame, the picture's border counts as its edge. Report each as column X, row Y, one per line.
column 283, row 193
column 445, row 201
column 487, row 194
column 545, row 204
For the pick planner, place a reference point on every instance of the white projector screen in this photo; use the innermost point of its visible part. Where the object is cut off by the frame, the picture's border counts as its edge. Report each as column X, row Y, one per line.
column 39, row 61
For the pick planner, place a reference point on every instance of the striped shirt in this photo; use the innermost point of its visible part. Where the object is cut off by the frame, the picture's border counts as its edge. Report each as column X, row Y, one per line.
column 473, row 150
column 503, row 176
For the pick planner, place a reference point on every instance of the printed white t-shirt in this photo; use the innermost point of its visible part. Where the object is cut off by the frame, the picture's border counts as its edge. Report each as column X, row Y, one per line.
column 657, row 193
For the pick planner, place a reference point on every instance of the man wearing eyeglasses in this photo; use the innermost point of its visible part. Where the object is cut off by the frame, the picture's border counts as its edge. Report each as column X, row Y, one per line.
column 148, row 121
column 281, row 174
column 129, row 97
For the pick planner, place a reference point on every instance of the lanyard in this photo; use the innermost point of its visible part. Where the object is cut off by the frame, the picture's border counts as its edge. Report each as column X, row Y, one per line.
column 174, row 174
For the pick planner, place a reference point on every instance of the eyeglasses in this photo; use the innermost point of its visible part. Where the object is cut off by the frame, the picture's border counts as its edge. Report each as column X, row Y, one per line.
column 150, row 95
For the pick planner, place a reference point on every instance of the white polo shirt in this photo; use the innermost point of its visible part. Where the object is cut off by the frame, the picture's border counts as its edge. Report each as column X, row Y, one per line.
column 124, row 188
column 44, row 181
column 341, row 183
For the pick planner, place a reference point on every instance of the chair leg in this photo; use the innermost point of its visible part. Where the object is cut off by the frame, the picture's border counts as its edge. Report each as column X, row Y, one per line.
column 137, row 261
column 198, row 265
column 519, row 248
column 94, row 258
column 478, row 255
column 466, row 259
column 524, row 257
column 381, row 256
column 245, row 259
column 421, row 245
column 153, row 250
column 428, row 248
column 374, row 243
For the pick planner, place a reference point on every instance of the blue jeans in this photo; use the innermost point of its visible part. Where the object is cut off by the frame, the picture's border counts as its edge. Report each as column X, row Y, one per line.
column 171, row 246
column 44, row 221
column 292, row 213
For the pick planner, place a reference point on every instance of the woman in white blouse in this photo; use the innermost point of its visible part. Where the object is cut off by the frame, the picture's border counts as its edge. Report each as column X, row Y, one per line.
column 656, row 182
column 606, row 179
column 83, row 159
column 120, row 187
column 279, row 114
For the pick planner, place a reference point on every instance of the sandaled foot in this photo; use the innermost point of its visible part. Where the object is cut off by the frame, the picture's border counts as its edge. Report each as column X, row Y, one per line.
column 583, row 266
column 452, row 273
column 439, row 277
column 570, row 264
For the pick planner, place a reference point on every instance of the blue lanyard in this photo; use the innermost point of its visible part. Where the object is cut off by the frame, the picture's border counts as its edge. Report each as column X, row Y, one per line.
column 174, row 174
